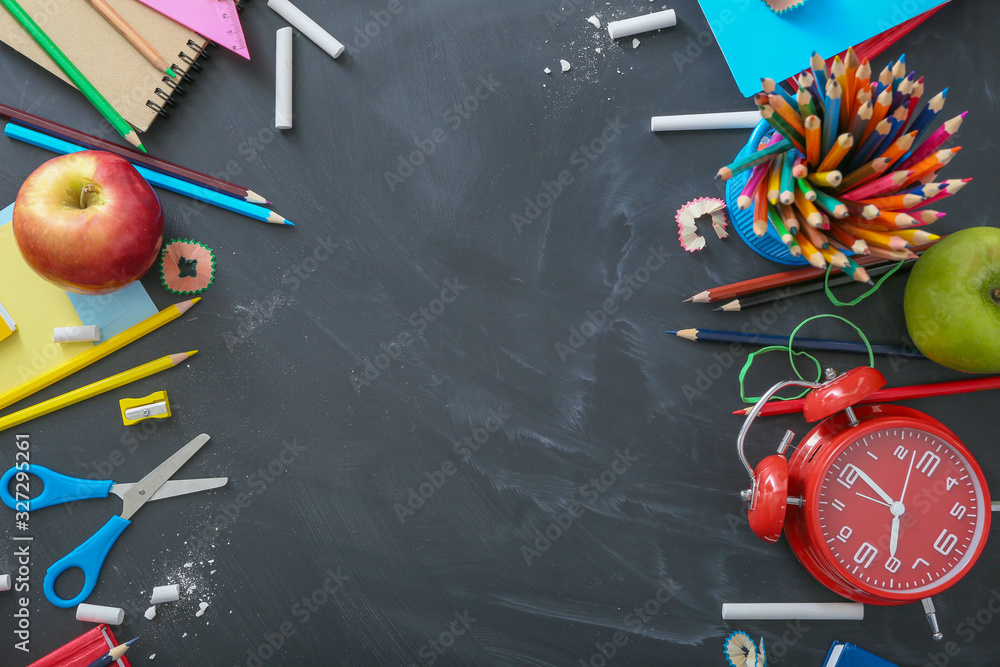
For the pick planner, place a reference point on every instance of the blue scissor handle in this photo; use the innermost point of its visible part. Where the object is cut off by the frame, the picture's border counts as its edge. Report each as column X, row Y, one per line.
column 89, row 557
column 59, row 488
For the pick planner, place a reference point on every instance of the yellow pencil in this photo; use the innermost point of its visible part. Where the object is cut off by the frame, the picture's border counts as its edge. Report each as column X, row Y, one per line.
column 93, row 389
column 83, row 360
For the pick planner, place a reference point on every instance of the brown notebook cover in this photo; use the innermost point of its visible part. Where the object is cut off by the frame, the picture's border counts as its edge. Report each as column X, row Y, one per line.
column 126, row 79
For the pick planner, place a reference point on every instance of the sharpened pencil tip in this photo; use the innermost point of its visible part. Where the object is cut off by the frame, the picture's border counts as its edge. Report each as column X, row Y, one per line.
column 172, row 73
column 289, row 223
column 671, row 332
column 688, row 300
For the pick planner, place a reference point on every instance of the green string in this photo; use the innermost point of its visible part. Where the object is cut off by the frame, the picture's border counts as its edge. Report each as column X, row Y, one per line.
column 793, row 353
column 835, row 301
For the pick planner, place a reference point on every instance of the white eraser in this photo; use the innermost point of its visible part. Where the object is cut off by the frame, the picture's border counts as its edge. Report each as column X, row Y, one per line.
column 150, row 613
column 162, row 594
column 95, row 613
column 283, row 80
column 82, row 334
column 806, row 611
column 4, row 582
column 307, row 26
column 633, row 26
column 706, row 121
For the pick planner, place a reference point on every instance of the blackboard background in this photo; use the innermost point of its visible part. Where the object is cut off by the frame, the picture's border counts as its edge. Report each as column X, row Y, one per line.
column 284, row 339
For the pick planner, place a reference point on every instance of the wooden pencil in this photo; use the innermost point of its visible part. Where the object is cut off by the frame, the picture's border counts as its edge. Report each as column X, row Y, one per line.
column 860, row 122
column 808, row 209
column 828, row 179
column 752, row 160
column 873, row 169
column 879, row 186
column 745, row 198
column 926, row 117
column 836, row 155
column 760, row 212
column 814, row 141
column 89, row 141
column 70, row 70
column 787, row 191
column 132, row 36
column 831, row 117
column 932, row 143
column 774, row 179
column 930, row 164
column 953, row 186
column 896, row 202
column 788, row 113
column 761, row 339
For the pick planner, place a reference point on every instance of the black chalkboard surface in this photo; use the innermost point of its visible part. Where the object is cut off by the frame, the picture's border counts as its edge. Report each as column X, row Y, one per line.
column 454, row 428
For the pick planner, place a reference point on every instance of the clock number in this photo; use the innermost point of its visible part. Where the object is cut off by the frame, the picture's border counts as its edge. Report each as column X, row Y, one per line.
column 945, row 542
column 838, row 505
column 951, row 482
column 918, row 562
column 844, row 534
column 893, row 564
column 928, row 463
column 848, row 475
column 901, row 452
column 958, row 511
column 866, row 554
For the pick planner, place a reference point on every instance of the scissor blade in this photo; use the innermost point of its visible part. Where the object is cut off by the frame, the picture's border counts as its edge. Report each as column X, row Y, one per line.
column 146, row 487
column 176, row 487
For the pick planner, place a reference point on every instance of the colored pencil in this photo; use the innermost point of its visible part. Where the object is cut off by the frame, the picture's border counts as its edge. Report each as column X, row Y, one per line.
column 749, row 190
column 89, row 141
column 935, row 141
column 159, row 179
column 787, row 191
column 761, row 339
column 926, row 117
column 760, row 209
column 809, row 251
column 70, row 366
column 814, row 140
column 772, row 87
column 930, row 164
column 70, row 70
column 829, row 179
column 831, row 117
column 752, row 160
column 952, row 186
column 893, row 394
column 93, row 389
column 840, row 149
column 132, row 36
column 880, row 186
column 113, row 655
column 776, row 280
column 896, row 202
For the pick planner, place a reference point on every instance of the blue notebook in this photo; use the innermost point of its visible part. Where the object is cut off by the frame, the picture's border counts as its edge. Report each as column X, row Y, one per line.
column 842, row 654
column 760, row 43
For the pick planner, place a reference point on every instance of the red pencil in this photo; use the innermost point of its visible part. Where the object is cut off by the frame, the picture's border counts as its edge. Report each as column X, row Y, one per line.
column 893, row 394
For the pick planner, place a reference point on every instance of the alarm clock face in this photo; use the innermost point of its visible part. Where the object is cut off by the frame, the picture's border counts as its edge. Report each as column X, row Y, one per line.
column 903, row 512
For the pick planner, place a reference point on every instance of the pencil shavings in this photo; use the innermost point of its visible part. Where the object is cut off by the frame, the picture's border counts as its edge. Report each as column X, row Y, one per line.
column 687, row 217
column 781, row 6
column 740, row 651
column 186, row 267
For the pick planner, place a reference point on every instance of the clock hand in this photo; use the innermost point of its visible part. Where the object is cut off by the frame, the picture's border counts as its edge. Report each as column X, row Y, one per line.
column 907, row 482
column 875, row 500
column 875, row 487
column 894, row 537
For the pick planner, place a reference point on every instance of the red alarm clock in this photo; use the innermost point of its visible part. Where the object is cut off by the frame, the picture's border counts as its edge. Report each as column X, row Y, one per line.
column 881, row 503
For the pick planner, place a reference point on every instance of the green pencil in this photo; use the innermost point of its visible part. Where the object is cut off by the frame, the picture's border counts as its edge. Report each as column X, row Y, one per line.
column 78, row 79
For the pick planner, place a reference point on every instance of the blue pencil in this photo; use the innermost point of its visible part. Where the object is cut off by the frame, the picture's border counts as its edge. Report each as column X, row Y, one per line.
column 159, row 179
column 799, row 343
column 831, row 115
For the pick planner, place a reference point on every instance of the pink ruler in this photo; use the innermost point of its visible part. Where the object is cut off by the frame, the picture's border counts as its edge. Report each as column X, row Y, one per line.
column 217, row 20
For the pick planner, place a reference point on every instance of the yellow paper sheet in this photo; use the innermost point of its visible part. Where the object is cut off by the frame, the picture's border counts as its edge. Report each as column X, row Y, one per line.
column 37, row 307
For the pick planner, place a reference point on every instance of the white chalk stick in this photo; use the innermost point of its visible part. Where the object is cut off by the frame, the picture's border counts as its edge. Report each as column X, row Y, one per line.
column 4, row 582
column 706, row 121
column 633, row 26
column 283, row 80
column 307, row 26
column 95, row 613
column 806, row 611
column 162, row 594
column 81, row 334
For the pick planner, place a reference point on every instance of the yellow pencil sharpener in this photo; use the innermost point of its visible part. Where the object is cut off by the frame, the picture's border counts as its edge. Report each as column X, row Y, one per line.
column 136, row 409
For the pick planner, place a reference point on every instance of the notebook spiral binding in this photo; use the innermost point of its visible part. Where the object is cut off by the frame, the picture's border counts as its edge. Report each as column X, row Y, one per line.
column 164, row 97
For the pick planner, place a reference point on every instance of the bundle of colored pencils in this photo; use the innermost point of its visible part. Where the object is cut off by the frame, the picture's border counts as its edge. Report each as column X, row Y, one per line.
column 848, row 164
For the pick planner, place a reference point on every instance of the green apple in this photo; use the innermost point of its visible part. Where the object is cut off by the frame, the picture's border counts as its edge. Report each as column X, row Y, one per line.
column 952, row 301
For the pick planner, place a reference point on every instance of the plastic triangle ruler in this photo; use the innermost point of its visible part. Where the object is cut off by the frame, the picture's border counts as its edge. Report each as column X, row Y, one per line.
column 217, row 20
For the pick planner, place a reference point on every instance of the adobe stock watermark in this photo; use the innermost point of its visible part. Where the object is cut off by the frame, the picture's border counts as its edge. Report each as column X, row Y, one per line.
column 417, row 497
column 419, row 319
column 565, row 9
column 435, row 647
column 454, row 116
column 381, row 18
column 302, row 610
column 595, row 320
column 581, row 159
column 642, row 614
column 562, row 522
column 706, row 377
column 967, row 630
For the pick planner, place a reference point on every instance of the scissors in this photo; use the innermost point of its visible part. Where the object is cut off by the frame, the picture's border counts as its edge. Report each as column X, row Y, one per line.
column 90, row 555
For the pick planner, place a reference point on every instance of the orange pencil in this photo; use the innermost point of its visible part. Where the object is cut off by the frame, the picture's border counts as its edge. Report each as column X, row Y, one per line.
column 929, row 165
column 814, row 140
column 899, row 147
column 834, row 257
column 810, row 252
column 836, row 155
column 760, row 212
column 895, row 219
column 809, row 212
column 788, row 112
column 896, row 202
column 873, row 169
column 857, row 245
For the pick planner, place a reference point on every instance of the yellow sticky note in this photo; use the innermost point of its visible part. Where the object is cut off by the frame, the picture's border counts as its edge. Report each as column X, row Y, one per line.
column 37, row 307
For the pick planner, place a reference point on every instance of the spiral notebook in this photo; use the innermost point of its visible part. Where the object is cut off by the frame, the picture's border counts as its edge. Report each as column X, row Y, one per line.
column 127, row 80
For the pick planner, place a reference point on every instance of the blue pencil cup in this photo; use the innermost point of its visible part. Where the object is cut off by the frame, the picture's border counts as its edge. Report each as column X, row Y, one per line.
column 770, row 245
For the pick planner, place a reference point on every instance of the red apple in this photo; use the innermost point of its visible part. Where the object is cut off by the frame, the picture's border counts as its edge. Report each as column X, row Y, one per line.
column 88, row 222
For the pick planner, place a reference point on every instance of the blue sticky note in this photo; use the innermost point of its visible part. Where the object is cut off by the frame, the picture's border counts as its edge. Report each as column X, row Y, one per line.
column 758, row 43
column 112, row 313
